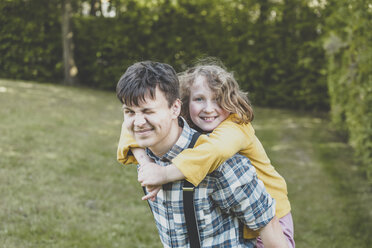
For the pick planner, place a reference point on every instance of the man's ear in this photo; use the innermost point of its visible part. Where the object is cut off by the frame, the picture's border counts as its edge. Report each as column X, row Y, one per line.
column 176, row 108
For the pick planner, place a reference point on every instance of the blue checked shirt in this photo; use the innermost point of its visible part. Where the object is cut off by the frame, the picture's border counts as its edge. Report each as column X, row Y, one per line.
column 225, row 200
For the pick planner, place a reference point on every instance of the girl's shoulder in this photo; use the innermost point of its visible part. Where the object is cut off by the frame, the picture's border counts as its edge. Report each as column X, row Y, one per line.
column 233, row 121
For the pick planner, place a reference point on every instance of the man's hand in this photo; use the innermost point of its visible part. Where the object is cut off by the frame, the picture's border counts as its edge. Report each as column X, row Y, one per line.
column 152, row 174
column 153, row 191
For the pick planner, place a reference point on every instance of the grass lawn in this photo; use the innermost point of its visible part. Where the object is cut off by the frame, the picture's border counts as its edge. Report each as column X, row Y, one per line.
column 60, row 184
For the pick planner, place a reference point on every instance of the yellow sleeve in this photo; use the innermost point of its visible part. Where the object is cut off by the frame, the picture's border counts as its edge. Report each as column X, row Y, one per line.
column 211, row 151
column 126, row 142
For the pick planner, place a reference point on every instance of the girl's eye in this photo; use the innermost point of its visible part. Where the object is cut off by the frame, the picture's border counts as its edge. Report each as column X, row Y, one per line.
column 198, row 99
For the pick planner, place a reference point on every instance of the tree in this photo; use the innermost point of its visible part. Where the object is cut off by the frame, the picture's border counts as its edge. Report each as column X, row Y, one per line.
column 70, row 69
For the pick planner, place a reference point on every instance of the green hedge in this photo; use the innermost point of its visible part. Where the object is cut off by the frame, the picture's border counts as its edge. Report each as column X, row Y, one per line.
column 30, row 40
column 350, row 75
column 279, row 61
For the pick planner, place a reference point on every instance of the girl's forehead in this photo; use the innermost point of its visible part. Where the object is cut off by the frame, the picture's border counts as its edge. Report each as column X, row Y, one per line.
column 200, row 84
column 203, row 88
column 200, row 80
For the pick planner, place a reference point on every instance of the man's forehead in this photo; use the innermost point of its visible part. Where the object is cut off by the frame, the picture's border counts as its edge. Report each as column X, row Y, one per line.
column 147, row 103
column 139, row 100
column 147, row 100
column 141, row 105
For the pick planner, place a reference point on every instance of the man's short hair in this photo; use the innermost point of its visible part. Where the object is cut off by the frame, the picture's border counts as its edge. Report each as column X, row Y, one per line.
column 141, row 79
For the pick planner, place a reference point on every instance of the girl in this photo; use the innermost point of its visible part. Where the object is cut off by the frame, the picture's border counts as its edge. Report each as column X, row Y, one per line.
column 212, row 102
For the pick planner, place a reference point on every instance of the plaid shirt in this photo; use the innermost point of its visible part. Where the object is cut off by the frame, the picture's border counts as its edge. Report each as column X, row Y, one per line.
column 225, row 200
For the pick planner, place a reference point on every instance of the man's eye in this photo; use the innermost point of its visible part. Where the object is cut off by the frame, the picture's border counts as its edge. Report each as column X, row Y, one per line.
column 128, row 112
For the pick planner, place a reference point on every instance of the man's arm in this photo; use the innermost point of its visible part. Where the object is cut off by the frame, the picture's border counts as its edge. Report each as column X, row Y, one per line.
column 241, row 193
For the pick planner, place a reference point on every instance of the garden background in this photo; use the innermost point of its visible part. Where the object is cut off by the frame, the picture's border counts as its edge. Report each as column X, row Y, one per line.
column 305, row 63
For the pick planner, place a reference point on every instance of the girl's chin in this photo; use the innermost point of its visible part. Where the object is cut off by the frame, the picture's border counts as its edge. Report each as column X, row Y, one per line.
column 208, row 128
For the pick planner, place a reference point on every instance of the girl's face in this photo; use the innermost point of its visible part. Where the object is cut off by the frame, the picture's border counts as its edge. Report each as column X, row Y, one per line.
column 205, row 112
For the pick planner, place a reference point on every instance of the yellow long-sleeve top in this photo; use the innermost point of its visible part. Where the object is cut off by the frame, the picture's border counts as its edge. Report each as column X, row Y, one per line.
column 211, row 151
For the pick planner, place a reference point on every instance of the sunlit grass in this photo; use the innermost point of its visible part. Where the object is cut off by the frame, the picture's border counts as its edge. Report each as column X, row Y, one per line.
column 330, row 198
column 61, row 186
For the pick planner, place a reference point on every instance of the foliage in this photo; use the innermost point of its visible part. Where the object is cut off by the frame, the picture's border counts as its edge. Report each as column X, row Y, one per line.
column 350, row 74
column 280, row 60
column 272, row 46
column 275, row 49
column 30, row 40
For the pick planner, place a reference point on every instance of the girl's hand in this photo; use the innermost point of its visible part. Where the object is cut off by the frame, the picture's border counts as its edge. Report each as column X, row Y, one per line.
column 153, row 191
column 152, row 174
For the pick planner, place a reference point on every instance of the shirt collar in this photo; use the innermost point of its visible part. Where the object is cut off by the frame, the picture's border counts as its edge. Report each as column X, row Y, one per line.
column 181, row 144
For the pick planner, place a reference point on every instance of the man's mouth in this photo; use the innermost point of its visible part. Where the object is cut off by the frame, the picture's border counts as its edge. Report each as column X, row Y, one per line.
column 142, row 132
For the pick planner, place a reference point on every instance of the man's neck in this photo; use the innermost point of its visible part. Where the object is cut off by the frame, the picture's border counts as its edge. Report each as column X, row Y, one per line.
column 171, row 139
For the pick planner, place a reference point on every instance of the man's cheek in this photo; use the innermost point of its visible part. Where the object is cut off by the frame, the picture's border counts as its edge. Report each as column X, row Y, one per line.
column 128, row 126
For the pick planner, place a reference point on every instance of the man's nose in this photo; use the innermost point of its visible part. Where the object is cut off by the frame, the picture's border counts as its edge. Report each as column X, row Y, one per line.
column 139, row 120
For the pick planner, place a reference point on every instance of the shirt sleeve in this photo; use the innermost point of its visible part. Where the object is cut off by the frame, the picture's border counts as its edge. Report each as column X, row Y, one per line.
column 239, row 192
column 211, row 151
column 126, row 142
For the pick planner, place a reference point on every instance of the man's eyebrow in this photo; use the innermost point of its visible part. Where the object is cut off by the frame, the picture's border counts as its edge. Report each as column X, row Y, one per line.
column 125, row 107
column 147, row 109
column 142, row 109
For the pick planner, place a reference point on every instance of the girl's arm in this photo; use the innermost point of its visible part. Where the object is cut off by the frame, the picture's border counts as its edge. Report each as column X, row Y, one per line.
column 154, row 174
column 130, row 153
column 194, row 164
column 126, row 143
column 211, row 151
column 208, row 153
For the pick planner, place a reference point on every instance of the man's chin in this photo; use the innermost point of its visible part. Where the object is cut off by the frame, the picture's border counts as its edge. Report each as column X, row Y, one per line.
column 143, row 143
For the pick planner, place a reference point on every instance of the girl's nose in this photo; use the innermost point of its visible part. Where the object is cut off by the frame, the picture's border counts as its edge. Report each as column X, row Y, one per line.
column 209, row 107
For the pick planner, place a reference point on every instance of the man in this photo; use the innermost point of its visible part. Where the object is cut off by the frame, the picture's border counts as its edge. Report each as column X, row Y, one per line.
column 225, row 200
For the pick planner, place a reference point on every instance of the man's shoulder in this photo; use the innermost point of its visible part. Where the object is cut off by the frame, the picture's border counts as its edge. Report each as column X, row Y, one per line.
column 238, row 159
column 236, row 164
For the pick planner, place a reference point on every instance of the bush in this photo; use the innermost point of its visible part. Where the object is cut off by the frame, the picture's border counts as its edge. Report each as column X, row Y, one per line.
column 350, row 76
column 30, row 40
column 278, row 60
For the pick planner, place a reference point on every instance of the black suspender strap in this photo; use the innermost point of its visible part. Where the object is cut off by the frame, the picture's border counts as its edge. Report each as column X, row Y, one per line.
column 189, row 207
column 194, row 138
column 189, row 211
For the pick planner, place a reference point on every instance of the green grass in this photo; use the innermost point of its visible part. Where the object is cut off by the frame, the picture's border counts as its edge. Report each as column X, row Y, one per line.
column 61, row 186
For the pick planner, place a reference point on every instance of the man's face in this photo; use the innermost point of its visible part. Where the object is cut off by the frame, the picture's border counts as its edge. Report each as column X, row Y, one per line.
column 151, row 122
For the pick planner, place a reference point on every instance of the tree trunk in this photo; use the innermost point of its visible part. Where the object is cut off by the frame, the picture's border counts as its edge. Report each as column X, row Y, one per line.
column 70, row 69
